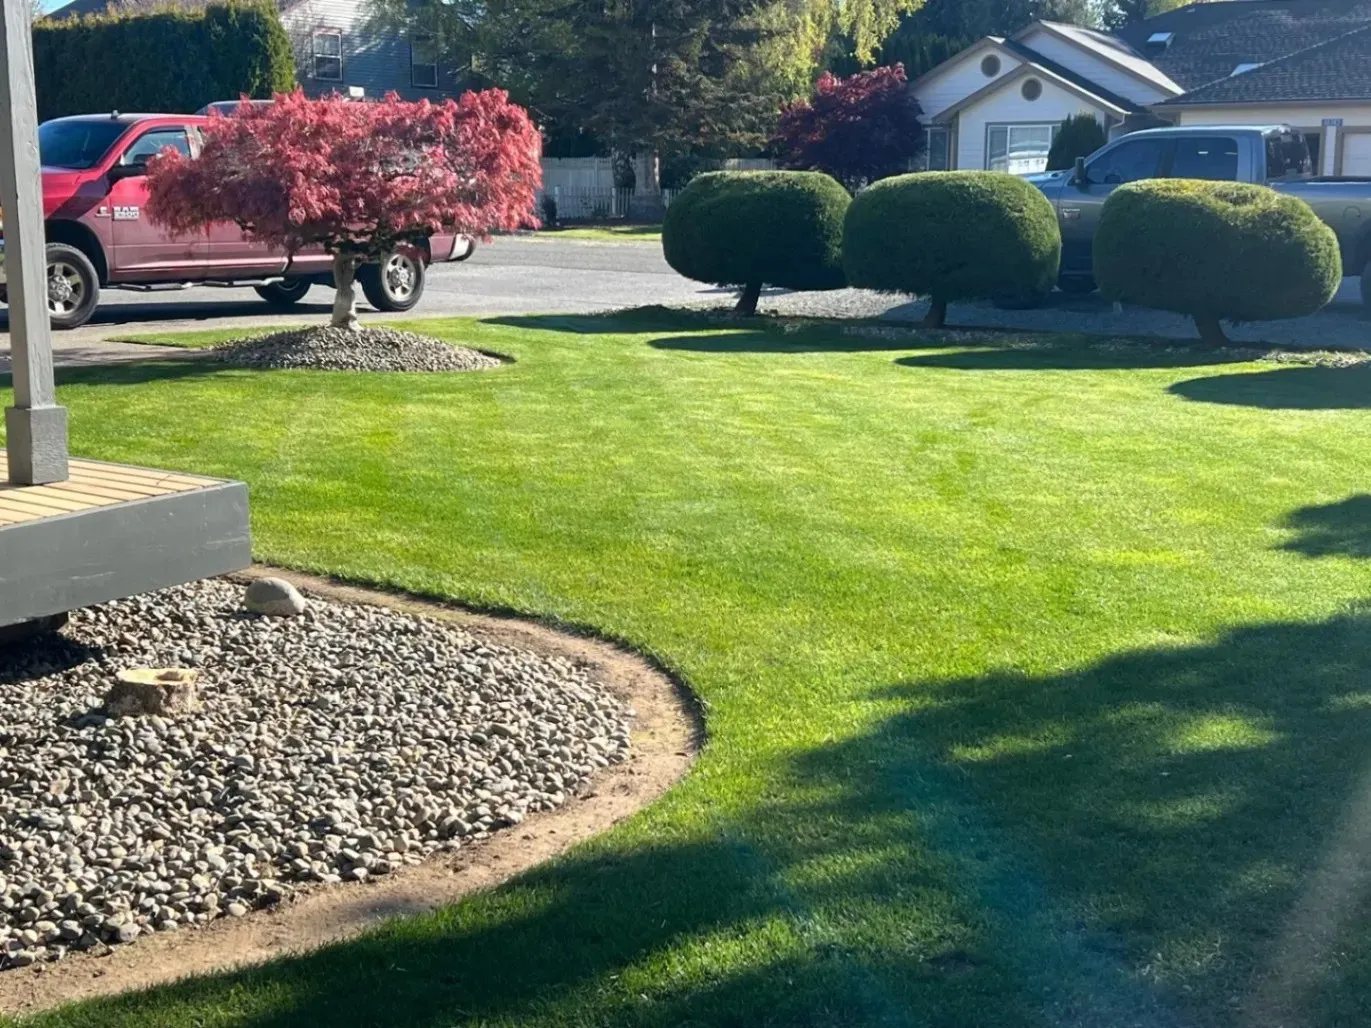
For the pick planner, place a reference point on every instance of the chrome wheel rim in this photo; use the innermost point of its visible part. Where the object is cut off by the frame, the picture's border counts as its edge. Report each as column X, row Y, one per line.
column 399, row 276
column 66, row 288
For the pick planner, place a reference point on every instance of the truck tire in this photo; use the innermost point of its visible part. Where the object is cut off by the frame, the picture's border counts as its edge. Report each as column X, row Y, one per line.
column 284, row 294
column 73, row 287
column 396, row 283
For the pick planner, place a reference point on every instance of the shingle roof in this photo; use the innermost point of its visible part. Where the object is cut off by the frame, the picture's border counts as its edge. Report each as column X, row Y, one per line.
column 1211, row 39
column 1089, row 85
column 1112, row 49
column 1337, row 69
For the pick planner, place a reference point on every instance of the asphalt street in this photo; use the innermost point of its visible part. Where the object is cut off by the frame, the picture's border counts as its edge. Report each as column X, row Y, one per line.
column 512, row 275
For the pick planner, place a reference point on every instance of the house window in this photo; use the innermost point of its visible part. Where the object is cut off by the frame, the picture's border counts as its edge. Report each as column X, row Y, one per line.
column 328, row 55
column 1018, row 149
column 939, row 143
column 1206, row 157
column 423, row 63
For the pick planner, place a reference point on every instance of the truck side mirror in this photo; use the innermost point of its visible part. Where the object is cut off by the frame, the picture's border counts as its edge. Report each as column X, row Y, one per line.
column 123, row 171
column 1078, row 178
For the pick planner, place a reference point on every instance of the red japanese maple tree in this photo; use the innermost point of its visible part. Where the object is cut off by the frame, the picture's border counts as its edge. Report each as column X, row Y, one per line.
column 358, row 179
column 858, row 129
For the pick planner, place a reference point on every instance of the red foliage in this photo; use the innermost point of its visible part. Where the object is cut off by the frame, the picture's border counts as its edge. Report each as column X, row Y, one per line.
column 355, row 178
column 857, row 129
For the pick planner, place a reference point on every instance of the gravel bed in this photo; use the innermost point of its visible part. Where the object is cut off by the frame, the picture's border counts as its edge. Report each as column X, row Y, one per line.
column 337, row 349
column 1340, row 325
column 335, row 746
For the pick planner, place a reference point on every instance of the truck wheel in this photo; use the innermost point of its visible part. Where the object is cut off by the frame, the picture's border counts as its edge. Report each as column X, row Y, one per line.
column 284, row 294
column 396, row 283
column 73, row 286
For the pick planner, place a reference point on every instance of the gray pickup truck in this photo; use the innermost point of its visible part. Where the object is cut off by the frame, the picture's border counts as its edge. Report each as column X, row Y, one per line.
column 1272, row 155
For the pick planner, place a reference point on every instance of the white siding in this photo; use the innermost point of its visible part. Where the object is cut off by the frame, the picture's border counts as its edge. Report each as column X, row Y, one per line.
column 1094, row 68
column 960, row 78
column 1007, row 106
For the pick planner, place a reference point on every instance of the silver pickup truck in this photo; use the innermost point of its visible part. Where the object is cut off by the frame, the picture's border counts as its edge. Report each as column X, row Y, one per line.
column 1272, row 155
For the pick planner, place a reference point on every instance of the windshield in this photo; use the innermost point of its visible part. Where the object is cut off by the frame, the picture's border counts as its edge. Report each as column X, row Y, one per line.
column 76, row 144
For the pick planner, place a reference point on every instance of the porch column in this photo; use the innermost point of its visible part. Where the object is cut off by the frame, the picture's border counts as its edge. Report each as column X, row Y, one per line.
column 35, row 427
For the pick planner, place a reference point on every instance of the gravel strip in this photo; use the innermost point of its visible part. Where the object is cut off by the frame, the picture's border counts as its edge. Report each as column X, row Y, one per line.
column 334, row 746
column 337, row 349
column 1340, row 325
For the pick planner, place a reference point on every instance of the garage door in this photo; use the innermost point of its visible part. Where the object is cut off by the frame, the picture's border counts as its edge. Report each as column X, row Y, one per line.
column 1356, row 153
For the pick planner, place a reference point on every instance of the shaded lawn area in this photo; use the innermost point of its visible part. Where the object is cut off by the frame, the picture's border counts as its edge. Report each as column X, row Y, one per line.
column 1038, row 682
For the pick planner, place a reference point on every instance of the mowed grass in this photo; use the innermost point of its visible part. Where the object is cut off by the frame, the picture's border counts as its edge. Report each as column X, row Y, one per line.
column 1037, row 681
column 605, row 233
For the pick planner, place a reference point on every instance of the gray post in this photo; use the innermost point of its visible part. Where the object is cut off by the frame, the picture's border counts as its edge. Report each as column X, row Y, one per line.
column 35, row 427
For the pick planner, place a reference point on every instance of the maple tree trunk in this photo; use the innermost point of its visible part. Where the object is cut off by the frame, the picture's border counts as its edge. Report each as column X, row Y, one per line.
column 747, row 299
column 345, row 299
column 937, row 313
column 1211, row 330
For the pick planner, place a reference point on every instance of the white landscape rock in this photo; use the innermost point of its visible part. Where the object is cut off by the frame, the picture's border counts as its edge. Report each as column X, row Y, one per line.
column 336, row 746
column 275, row 597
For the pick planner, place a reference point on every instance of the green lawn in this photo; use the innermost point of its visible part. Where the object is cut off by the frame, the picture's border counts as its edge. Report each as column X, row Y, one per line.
column 606, row 233
column 1038, row 681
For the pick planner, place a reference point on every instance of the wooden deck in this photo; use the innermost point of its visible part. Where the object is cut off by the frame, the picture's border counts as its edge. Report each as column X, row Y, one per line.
column 92, row 484
column 112, row 531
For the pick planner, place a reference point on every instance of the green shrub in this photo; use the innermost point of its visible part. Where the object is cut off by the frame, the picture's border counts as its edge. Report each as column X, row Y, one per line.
column 182, row 59
column 756, row 228
column 953, row 235
column 1215, row 250
column 1078, row 136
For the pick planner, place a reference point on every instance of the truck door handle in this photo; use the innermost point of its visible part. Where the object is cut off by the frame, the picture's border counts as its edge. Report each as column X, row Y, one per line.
column 1071, row 213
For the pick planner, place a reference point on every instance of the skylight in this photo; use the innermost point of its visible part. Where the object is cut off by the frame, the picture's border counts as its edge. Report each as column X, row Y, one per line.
column 1242, row 68
column 1160, row 38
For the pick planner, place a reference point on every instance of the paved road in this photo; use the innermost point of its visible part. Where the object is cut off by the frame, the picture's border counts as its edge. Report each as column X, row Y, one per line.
column 506, row 276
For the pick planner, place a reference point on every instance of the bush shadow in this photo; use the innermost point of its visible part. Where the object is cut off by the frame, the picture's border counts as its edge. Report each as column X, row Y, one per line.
column 1297, row 388
column 1085, row 355
column 1341, row 529
column 1122, row 843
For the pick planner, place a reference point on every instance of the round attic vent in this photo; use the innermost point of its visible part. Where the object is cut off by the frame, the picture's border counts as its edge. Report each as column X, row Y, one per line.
column 1032, row 89
column 990, row 66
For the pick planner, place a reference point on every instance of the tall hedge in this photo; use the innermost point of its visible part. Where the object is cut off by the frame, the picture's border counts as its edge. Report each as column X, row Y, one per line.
column 755, row 228
column 1216, row 251
column 173, row 60
column 953, row 235
column 1078, row 136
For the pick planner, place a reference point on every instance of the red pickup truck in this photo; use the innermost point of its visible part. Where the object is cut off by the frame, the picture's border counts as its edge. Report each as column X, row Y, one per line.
column 98, row 234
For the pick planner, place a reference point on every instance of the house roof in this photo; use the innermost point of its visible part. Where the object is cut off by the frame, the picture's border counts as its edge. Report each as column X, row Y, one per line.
column 1108, row 48
column 1031, row 56
column 1089, row 92
column 1336, row 69
column 1209, row 40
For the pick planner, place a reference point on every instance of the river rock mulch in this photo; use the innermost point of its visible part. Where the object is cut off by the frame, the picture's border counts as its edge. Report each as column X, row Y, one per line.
column 335, row 746
column 336, row 349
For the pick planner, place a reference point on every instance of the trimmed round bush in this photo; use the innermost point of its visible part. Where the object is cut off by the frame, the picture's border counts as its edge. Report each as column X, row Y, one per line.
column 953, row 235
column 754, row 228
column 1215, row 251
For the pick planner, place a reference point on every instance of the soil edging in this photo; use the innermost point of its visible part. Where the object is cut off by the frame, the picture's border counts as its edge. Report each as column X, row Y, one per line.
column 664, row 739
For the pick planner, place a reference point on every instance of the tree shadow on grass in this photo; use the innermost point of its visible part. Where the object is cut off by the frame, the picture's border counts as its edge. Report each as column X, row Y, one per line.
column 1332, row 529
column 1142, row 841
column 1297, row 388
column 125, row 373
column 1083, row 354
column 808, row 340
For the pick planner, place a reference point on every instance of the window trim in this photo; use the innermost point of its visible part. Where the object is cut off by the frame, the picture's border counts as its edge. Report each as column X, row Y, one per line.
column 1009, row 126
column 946, row 131
column 316, row 56
column 413, row 64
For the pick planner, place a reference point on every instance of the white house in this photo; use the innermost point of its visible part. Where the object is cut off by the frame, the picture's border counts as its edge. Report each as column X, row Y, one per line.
column 1306, row 63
